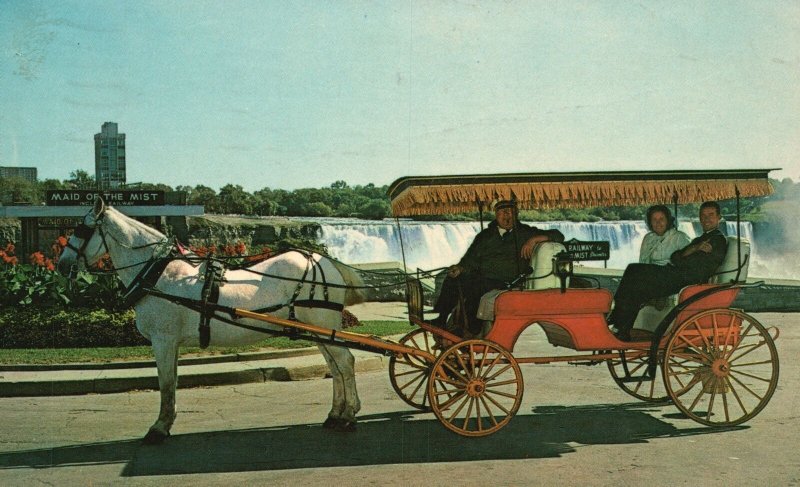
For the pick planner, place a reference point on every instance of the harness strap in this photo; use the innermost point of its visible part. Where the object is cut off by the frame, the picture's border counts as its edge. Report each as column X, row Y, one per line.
column 313, row 276
column 317, row 303
column 209, row 296
column 146, row 278
column 299, row 287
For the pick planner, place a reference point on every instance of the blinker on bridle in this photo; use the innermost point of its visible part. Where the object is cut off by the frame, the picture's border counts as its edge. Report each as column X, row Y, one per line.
column 85, row 232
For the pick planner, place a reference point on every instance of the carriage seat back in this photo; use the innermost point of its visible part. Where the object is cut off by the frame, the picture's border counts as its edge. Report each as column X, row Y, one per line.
column 543, row 263
column 728, row 269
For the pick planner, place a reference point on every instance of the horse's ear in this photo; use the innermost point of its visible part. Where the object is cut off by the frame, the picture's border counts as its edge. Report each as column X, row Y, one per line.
column 99, row 207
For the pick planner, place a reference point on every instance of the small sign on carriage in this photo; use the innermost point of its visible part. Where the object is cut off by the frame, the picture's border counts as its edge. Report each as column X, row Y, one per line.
column 588, row 250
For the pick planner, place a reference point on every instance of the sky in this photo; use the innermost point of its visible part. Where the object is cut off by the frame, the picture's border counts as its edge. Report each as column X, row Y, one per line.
column 292, row 94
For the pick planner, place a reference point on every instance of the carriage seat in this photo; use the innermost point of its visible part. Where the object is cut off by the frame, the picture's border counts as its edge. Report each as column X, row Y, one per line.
column 543, row 263
column 726, row 272
column 543, row 277
column 650, row 316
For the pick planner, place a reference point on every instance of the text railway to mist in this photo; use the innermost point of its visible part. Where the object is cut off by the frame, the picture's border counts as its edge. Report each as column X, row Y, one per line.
column 432, row 245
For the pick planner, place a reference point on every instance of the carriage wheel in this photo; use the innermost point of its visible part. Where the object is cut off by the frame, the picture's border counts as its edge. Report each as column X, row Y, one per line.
column 475, row 387
column 409, row 374
column 650, row 391
column 720, row 367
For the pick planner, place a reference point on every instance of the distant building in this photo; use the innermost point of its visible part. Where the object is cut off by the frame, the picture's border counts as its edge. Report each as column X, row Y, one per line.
column 26, row 173
column 109, row 157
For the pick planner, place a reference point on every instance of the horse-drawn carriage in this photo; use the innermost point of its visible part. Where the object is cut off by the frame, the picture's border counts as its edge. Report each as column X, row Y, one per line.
column 716, row 364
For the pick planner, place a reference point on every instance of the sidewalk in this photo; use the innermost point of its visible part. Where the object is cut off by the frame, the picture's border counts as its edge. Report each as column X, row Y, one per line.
column 278, row 365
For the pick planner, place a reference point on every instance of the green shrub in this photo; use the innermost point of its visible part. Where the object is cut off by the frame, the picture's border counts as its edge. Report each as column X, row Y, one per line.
column 33, row 285
column 36, row 327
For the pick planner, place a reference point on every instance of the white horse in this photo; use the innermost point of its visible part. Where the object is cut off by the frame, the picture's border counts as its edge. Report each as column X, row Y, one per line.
column 132, row 245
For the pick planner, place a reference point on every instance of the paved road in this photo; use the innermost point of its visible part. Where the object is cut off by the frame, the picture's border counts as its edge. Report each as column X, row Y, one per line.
column 574, row 428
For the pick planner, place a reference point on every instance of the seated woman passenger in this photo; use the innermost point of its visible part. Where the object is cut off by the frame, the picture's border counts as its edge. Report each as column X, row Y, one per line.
column 663, row 239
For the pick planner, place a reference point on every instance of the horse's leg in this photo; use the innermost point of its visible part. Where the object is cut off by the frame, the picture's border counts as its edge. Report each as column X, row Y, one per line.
column 337, row 406
column 166, row 353
column 345, row 396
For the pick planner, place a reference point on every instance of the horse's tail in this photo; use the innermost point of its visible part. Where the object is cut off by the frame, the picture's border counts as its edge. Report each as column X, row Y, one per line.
column 354, row 292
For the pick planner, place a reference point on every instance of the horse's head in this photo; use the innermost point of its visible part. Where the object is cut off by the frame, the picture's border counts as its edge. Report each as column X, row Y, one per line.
column 87, row 244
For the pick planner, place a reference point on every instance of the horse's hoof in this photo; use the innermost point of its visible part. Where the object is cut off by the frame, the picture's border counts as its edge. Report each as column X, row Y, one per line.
column 331, row 423
column 154, row 437
column 345, row 426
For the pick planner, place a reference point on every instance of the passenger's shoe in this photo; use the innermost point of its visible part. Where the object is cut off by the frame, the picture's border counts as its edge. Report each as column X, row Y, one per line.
column 641, row 335
column 623, row 335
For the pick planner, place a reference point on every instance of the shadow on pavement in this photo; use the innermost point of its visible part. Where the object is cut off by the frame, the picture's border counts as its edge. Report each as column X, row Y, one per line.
column 550, row 431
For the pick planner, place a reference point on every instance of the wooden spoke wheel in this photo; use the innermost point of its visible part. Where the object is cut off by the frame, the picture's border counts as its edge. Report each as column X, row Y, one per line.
column 720, row 367
column 475, row 387
column 409, row 374
column 636, row 364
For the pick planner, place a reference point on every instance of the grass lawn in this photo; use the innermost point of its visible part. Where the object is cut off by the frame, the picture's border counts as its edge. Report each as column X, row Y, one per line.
column 115, row 354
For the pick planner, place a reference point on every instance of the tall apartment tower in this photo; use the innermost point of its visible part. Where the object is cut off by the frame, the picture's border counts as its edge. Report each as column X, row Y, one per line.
column 109, row 157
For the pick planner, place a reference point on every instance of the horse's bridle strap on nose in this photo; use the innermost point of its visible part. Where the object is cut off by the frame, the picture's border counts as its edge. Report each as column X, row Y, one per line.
column 83, row 231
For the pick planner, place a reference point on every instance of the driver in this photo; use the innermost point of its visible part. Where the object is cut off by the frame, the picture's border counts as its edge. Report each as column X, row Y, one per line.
column 498, row 255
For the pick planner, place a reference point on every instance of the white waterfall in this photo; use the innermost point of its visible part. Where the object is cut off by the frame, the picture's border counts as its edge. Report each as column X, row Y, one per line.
column 430, row 245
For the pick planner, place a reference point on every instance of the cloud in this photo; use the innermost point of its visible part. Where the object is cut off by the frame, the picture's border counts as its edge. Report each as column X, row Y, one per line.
column 30, row 43
column 88, row 104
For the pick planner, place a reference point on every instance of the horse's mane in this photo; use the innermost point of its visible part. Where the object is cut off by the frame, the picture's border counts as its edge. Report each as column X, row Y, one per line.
column 137, row 232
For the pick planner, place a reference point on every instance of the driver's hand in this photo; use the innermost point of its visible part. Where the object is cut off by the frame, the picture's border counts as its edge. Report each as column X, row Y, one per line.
column 527, row 247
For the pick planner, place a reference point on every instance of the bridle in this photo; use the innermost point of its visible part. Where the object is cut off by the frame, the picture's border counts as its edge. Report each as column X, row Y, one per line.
column 85, row 233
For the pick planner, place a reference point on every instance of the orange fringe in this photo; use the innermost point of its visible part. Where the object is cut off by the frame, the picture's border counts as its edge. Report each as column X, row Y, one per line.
column 455, row 198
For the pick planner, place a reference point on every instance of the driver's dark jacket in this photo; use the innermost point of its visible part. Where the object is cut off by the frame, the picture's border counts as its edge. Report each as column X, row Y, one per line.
column 491, row 256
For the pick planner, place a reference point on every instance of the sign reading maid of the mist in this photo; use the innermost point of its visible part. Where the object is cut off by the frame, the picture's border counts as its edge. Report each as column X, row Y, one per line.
column 84, row 197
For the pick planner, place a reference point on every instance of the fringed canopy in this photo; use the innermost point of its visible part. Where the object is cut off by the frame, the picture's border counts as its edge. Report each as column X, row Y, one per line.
column 438, row 195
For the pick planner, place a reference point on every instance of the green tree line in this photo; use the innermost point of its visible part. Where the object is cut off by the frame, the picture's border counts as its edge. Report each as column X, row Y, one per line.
column 342, row 200
column 339, row 199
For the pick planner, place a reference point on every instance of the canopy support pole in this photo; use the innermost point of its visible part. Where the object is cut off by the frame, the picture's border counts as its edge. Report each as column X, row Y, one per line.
column 675, row 206
column 480, row 212
column 402, row 247
column 738, row 236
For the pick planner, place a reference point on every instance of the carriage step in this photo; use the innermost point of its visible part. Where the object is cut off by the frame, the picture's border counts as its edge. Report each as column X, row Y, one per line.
column 641, row 378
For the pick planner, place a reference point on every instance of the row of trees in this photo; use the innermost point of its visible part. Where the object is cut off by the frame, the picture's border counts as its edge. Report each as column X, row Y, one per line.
column 340, row 199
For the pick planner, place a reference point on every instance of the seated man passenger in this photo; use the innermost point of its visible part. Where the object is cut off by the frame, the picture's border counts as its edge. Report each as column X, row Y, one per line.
column 498, row 255
column 693, row 264
column 663, row 239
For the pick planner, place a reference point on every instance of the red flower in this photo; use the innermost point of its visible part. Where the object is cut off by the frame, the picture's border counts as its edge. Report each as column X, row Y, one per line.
column 241, row 249
column 36, row 258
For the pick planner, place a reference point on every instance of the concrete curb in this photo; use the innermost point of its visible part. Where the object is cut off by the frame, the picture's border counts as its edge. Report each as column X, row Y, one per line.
column 239, row 369
column 140, row 364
